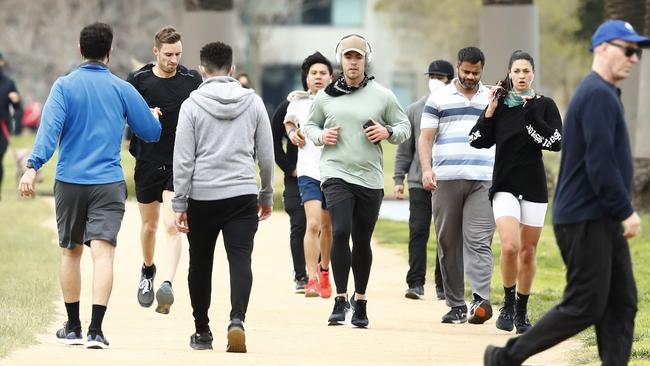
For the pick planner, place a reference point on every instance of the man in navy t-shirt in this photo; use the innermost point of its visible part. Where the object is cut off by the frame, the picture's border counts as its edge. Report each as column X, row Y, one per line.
column 592, row 212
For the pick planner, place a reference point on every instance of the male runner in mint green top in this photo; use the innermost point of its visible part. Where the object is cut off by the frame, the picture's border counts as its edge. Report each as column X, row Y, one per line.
column 351, row 165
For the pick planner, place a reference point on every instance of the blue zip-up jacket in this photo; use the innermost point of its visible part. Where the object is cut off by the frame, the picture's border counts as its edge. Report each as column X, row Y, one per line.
column 596, row 168
column 85, row 114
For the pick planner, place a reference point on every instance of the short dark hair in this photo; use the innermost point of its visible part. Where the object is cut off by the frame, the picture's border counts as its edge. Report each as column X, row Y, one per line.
column 471, row 55
column 167, row 34
column 311, row 60
column 95, row 41
column 216, row 56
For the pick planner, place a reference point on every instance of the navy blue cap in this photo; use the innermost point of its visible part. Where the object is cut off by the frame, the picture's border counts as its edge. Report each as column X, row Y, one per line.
column 617, row 29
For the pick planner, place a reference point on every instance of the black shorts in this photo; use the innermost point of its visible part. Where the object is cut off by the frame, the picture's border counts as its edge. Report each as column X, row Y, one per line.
column 87, row 212
column 151, row 179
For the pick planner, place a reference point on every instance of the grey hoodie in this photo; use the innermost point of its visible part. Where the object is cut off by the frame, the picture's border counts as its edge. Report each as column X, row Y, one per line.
column 222, row 129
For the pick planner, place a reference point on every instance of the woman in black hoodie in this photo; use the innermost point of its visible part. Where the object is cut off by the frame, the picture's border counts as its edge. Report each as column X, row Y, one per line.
column 521, row 123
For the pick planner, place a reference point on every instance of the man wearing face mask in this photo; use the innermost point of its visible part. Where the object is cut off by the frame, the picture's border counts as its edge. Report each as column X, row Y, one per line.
column 462, row 214
column 440, row 73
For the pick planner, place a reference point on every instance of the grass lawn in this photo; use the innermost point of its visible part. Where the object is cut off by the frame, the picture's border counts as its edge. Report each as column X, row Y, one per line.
column 550, row 281
column 30, row 261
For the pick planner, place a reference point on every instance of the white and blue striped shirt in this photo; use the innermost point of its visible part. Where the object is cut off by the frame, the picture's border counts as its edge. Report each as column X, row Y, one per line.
column 453, row 115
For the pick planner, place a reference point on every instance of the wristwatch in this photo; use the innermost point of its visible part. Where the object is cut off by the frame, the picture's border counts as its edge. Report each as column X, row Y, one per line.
column 390, row 130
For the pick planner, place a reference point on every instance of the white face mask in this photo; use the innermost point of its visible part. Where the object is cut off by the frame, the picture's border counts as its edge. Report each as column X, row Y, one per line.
column 435, row 84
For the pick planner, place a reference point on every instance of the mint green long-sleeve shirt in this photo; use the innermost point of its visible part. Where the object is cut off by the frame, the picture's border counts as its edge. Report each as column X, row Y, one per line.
column 354, row 158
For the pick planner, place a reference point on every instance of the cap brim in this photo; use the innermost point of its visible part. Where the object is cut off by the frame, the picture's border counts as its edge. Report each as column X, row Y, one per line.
column 362, row 52
column 642, row 41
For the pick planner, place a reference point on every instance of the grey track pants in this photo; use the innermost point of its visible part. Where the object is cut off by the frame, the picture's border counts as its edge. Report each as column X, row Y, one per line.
column 465, row 226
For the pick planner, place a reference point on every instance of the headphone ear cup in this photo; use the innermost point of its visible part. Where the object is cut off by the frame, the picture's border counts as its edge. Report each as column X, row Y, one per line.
column 369, row 56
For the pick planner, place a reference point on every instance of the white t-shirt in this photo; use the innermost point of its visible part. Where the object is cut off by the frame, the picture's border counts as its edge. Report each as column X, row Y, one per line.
column 308, row 155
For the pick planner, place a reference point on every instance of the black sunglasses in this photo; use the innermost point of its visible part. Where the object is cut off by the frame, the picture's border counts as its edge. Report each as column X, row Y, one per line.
column 629, row 51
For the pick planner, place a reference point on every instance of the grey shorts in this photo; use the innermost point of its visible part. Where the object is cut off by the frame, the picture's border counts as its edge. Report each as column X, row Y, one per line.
column 88, row 212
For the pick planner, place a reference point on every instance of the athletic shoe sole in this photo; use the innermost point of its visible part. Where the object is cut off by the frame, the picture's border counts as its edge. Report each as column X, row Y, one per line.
column 96, row 345
column 236, row 340
column 312, row 293
column 71, row 342
column 455, row 321
column 413, row 296
column 507, row 328
column 481, row 314
column 165, row 298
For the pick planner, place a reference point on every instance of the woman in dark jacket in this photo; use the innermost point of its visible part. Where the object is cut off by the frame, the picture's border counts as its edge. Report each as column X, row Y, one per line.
column 521, row 123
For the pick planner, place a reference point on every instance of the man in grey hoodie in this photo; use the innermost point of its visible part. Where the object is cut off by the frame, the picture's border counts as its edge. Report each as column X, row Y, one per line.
column 222, row 129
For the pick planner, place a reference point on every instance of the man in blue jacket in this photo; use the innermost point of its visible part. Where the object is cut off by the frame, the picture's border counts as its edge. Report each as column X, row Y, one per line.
column 85, row 114
column 592, row 212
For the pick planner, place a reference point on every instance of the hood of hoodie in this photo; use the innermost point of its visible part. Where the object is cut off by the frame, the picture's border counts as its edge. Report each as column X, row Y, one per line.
column 222, row 97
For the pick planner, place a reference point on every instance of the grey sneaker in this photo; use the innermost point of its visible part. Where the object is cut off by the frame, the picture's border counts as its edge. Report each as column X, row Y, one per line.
column 505, row 321
column 236, row 337
column 480, row 311
column 300, row 286
column 201, row 341
column 522, row 324
column 165, row 297
column 69, row 336
column 415, row 292
column 145, row 289
column 97, row 341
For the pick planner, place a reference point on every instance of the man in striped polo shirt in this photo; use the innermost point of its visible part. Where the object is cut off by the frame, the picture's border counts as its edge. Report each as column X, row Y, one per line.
column 460, row 177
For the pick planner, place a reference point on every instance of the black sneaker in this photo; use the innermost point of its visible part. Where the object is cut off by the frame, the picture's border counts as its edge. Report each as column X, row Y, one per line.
column 506, row 317
column 341, row 309
column 480, row 311
column 457, row 315
column 496, row 356
column 201, row 341
column 70, row 336
column 360, row 315
column 300, row 285
column 522, row 324
column 96, row 341
column 236, row 336
column 415, row 292
column 440, row 293
column 145, row 289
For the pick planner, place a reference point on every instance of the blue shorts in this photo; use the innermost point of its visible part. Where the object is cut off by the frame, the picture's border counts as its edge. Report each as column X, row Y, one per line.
column 310, row 190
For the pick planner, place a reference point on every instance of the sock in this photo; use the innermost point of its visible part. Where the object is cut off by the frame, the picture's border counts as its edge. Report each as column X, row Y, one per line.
column 167, row 282
column 149, row 271
column 522, row 303
column 477, row 297
column 509, row 294
column 72, row 308
column 323, row 269
column 97, row 319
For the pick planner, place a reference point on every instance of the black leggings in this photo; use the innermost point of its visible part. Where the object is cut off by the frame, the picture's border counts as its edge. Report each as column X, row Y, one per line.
column 353, row 210
column 237, row 218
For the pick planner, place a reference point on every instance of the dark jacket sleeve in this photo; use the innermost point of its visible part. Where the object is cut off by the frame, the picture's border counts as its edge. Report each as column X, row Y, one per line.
column 406, row 149
column 603, row 170
column 482, row 134
column 282, row 157
column 543, row 123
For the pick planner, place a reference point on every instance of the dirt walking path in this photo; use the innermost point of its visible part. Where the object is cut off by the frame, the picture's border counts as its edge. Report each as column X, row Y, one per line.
column 283, row 328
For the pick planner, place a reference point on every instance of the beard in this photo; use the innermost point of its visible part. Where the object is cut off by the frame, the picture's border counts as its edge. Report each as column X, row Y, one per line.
column 468, row 84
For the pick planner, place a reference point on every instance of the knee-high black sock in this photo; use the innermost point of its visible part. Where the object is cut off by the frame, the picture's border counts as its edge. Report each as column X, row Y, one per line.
column 97, row 319
column 72, row 308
